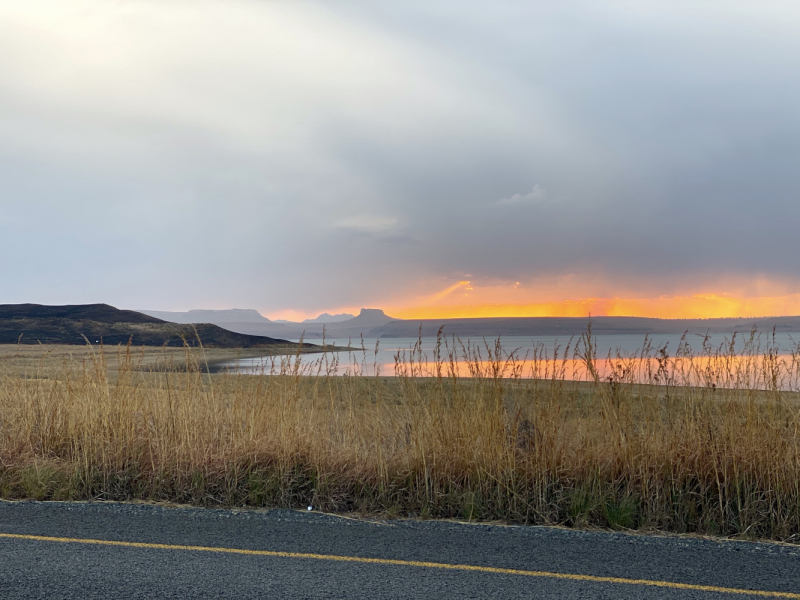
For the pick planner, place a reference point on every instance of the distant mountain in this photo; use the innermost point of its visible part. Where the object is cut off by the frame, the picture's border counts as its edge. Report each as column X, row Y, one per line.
column 231, row 315
column 326, row 318
column 69, row 324
column 34, row 323
column 367, row 320
column 370, row 316
column 374, row 323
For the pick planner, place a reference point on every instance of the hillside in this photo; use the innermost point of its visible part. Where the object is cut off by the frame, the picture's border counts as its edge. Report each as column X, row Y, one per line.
column 34, row 323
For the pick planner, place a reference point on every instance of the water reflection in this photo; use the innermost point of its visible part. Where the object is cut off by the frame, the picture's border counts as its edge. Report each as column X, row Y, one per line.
column 754, row 361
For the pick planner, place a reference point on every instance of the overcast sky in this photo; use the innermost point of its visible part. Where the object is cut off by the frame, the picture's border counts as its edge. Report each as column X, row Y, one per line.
column 301, row 156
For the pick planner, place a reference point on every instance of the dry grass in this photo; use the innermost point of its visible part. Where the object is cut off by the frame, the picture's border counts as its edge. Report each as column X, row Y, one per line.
column 46, row 360
column 616, row 450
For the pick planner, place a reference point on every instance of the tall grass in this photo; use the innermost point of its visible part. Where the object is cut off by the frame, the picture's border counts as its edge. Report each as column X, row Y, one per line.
column 686, row 444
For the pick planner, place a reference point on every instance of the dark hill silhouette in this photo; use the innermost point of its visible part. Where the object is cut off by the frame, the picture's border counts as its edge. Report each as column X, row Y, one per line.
column 73, row 324
column 101, row 313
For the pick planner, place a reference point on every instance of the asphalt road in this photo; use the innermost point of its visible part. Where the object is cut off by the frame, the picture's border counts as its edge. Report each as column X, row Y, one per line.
column 61, row 550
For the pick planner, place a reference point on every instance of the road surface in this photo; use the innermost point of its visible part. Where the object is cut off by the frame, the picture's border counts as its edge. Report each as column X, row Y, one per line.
column 99, row 550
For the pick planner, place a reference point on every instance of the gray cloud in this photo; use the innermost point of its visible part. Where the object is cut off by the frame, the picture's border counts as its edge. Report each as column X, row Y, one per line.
column 213, row 154
column 537, row 194
column 366, row 224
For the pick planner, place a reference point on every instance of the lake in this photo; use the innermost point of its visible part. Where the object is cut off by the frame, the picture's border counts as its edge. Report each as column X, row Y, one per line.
column 661, row 358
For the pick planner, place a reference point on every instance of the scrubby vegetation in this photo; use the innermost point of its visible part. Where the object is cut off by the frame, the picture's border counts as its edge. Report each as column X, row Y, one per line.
column 679, row 443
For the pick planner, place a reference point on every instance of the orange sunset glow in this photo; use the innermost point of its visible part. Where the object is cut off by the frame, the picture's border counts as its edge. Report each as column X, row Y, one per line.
column 701, row 306
column 463, row 300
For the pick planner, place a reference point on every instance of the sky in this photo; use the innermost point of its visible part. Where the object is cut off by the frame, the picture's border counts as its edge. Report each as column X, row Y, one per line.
column 432, row 159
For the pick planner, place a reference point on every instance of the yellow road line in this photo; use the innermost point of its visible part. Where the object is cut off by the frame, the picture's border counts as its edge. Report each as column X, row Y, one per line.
column 411, row 563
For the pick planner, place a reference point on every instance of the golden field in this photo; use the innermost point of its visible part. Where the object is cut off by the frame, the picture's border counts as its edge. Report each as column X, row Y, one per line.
column 683, row 444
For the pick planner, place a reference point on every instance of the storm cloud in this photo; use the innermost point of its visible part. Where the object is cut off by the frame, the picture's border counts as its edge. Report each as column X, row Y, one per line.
column 311, row 156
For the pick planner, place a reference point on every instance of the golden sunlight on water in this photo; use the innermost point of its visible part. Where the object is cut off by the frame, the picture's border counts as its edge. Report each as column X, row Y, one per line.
column 757, row 362
column 704, row 371
column 781, row 372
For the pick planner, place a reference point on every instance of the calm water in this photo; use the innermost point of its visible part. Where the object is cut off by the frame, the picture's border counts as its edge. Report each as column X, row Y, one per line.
column 538, row 356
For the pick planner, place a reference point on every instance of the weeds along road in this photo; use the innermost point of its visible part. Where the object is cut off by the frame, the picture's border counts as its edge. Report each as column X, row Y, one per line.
column 77, row 550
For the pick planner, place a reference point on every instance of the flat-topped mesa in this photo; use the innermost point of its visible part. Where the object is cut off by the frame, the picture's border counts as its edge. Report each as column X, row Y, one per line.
column 371, row 315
